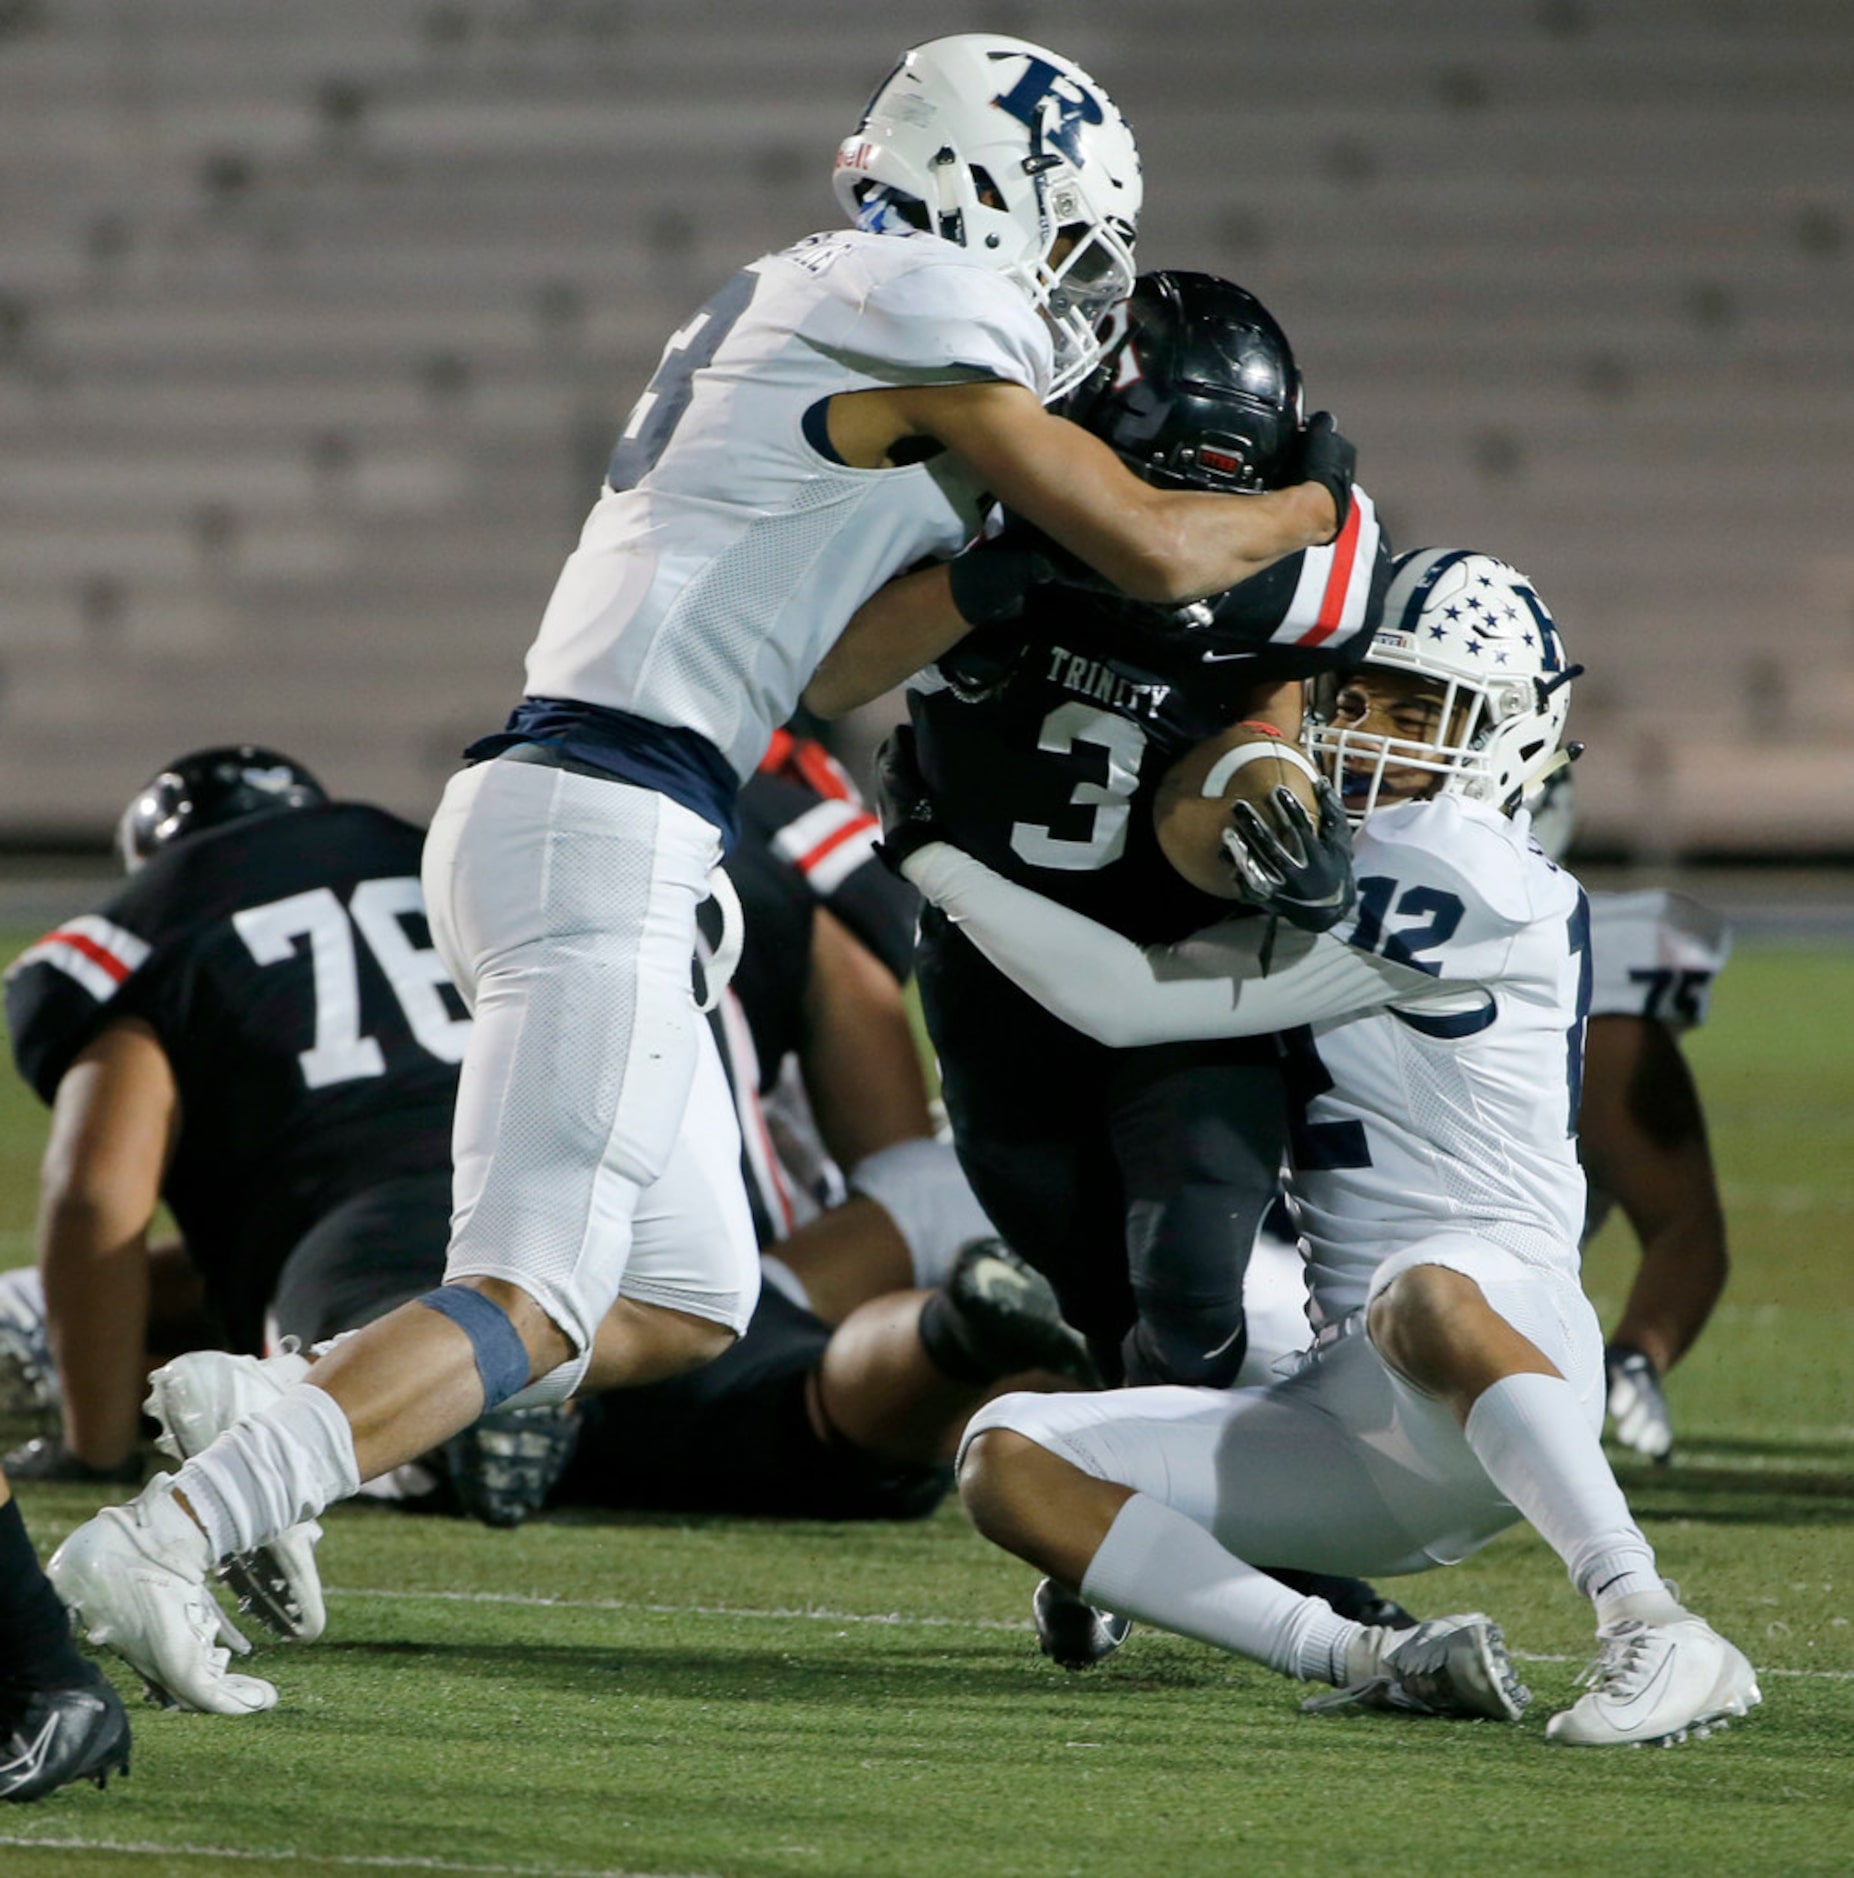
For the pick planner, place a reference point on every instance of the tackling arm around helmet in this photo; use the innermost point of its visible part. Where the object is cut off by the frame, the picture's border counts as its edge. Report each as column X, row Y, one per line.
column 1162, row 545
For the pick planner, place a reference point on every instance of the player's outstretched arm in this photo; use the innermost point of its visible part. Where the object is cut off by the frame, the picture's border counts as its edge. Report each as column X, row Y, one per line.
column 1153, row 544
column 1643, row 1137
column 1239, row 979
column 113, row 1122
column 1166, row 545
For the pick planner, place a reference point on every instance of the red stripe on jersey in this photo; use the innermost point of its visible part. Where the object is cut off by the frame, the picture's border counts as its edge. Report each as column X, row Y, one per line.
column 98, row 955
column 776, row 753
column 834, row 840
column 822, row 771
column 1338, row 580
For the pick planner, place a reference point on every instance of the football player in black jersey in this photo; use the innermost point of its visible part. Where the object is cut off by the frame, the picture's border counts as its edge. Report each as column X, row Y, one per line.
column 253, row 1029
column 1135, row 1179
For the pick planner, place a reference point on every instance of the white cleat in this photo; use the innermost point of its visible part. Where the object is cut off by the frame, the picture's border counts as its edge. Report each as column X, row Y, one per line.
column 1658, row 1682
column 1454, row 1666
column 195, row 1398
column 136, row 1578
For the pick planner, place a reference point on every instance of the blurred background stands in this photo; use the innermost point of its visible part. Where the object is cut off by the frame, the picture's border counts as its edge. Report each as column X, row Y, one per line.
column 317, row 324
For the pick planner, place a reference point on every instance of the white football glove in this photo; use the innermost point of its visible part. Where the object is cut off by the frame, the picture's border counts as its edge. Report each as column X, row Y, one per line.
column 1637, row 1408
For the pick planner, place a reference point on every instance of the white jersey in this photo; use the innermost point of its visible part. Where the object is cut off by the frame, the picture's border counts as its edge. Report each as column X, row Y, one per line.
column 1655, row 955
column 1458, row 1109
column 730, row 546
column 1440, row 1029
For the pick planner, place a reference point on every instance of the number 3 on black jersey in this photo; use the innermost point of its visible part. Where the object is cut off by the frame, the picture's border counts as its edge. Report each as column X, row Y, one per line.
column 1123, row 743
column 376, row 909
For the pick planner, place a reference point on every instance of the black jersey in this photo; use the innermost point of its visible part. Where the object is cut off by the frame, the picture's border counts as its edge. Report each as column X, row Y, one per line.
column 284, row 964
column 1044, row 740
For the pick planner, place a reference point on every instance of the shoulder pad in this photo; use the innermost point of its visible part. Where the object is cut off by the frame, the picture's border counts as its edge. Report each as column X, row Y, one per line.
column 1446, row 885
column 917, row 310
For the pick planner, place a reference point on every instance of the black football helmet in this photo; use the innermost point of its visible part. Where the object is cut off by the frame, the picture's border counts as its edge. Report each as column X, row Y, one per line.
column 1199, row 390
column 206, row 789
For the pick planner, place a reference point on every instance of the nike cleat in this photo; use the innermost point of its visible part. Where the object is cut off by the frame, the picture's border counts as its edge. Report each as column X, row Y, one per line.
column 1071, row 1632
column 195, row 1398
column 1658, row 1682
column 1449, row 1666
column 80, row 1732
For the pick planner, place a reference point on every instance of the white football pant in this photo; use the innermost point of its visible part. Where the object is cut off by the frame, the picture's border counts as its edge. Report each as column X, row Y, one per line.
column 1341, row 1468
column 596, row 1147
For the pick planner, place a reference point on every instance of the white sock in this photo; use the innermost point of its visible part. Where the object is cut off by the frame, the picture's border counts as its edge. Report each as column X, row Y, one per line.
column 277, row 1467
column 1165, row 1569
column 921, row 1188
column 1538, row 1448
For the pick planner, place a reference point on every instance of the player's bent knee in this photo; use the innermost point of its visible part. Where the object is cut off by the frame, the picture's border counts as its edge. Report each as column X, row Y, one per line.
column 1415, row 1317
column 640, row 1343
column 992, row 1467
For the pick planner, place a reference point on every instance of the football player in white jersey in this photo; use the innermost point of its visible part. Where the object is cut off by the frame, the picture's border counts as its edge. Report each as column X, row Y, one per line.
column 1641, row 1136
column 832, row 416
column 1457, row 1381
column 1655, row 955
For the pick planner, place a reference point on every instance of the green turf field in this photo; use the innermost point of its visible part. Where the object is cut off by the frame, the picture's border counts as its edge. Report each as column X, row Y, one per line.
column 656, row 1696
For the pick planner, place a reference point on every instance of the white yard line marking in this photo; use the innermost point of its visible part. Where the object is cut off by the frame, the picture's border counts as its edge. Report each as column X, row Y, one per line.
column 534, row 1601
column 352, row 1861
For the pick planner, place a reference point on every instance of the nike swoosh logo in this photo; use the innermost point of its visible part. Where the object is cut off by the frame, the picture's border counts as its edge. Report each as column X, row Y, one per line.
column 1642, row 1700
column 1223, row 658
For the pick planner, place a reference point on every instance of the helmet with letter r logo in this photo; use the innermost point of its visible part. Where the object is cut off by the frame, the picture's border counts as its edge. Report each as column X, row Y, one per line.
column 1015, row 154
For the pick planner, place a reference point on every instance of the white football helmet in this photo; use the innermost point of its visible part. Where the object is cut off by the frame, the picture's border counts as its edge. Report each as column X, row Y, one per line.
column 1003, row 148
column 1478, row 628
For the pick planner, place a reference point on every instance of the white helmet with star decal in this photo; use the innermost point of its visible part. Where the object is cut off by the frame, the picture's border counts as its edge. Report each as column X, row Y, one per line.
column 1491, row 722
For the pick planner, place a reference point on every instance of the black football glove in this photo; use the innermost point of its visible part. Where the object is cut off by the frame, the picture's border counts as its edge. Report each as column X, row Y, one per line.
column 1294, row 869
column 903, row 800
column 1330, row 460
column 45, row 1457
column 992, row 579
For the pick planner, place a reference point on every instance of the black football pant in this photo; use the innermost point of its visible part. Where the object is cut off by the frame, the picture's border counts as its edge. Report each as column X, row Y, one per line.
column 1134, row 1180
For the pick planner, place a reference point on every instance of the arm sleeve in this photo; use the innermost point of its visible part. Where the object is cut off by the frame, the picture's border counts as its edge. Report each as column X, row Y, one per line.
column 1241, row 978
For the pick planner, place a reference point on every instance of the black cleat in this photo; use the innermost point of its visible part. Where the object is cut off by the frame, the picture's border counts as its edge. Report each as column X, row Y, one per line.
column 62, row 1735
column 1350, row 1597
column 1009, row 1317
column 1071, row 1632
column 503, row 1467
